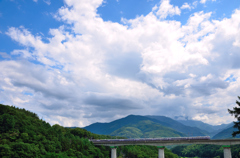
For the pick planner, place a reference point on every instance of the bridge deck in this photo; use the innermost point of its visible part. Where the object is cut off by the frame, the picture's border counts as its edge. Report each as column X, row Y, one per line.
column 160, row 142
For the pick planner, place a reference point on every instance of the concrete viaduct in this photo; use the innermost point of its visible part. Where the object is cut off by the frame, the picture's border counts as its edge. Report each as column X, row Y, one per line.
column 161, row 143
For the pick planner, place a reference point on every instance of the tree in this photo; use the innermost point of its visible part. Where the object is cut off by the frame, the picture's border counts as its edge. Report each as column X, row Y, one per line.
column 236, row 113
column 7, row 123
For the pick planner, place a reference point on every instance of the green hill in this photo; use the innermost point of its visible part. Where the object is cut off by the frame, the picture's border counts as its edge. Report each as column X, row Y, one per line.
column 146, row 129
column 128, row 132
column 23, row 134
column 108, row 128
column 130, row 125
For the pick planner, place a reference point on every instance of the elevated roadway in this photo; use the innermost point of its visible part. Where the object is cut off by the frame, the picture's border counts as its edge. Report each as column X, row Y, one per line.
column 161, row 143
column 156, row 142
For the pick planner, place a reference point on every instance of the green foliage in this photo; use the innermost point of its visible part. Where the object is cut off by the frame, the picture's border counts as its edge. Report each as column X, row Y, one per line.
column 7, row 123
column 214, row 151
column 23, row 134
column 135, row 151
column 129, row 132
column 236, row 113
column 5, row 150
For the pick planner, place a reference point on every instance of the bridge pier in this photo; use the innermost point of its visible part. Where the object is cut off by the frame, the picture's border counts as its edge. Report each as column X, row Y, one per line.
column 161, row 151
column 113, row 151
column 113, row 143
column 227, row 151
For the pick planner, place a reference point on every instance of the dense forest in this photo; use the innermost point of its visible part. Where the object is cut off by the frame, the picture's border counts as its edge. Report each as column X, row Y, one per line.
column 206, row 151
column 23, row 134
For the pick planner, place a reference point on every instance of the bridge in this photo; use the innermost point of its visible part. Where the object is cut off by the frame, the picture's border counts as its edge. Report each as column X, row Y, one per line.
column 162, row 142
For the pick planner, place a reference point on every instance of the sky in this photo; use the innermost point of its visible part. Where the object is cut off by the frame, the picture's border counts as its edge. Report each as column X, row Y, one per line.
column 77, row 62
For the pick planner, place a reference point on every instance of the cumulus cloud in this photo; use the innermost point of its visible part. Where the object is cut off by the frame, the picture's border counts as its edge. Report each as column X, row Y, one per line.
column 189, row 6
column 186, row 6
column 166, row 9
column 93, row 70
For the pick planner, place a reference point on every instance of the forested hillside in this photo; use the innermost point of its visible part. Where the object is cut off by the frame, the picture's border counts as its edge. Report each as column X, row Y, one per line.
column 23, row 134
column 108, row 128
column 154, row 126
column 146, row 129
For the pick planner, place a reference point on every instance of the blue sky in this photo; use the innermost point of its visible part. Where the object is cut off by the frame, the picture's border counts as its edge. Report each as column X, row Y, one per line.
column 76, row 62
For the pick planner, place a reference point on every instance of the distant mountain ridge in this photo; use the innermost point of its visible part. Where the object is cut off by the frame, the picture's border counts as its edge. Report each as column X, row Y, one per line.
column 132, row 125
column 189, row 131
column 107, row 128
column 226, row 133
column 136, row 126
column 210, row 129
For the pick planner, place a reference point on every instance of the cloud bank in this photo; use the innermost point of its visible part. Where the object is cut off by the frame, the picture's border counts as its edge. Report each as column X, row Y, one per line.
column 91, row 70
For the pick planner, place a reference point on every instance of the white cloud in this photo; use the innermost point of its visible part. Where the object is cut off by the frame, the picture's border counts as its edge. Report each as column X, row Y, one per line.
column 23, row 53
column 150, row 65
column 166, row 9
column 186, row 6
column 204, row 1
column 189, row 6
column 23, row 36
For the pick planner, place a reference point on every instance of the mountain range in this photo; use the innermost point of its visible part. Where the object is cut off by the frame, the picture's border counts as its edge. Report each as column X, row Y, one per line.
column 136, row 126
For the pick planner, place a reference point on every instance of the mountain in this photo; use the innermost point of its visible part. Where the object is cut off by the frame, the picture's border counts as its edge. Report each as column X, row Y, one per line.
column 226, row 133
column 210, row 129
column 108, row 128
column 146, row 129
column 204, row 126
column 132, row 125
column 189, row 131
